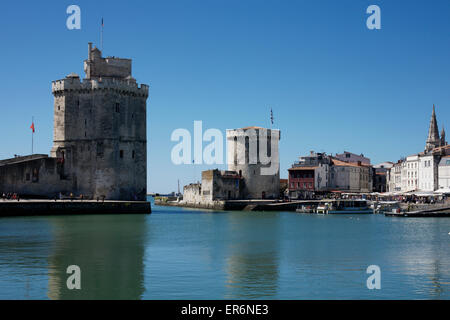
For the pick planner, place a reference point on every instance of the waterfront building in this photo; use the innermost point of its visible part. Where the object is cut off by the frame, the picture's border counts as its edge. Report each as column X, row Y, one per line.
column 421, row 172
column 352, row 157
column 319, row 172
column 380, row 176
column 412, row 173
column 428, row 172
column 99, row 141
column 249, row 175
column 311, row 173
column 351, row 176
column 394, row 177
column 444, row 173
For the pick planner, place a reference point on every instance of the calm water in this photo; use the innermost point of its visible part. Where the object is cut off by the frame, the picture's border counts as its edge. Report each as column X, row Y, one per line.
column 186, row 254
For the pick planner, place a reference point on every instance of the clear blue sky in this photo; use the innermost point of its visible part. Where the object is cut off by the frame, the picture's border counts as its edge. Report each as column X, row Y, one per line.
column 333, row 84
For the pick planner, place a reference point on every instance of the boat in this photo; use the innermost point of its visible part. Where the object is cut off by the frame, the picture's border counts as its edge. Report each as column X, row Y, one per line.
column 306, row 209
column 387, row 206
column 344, row 206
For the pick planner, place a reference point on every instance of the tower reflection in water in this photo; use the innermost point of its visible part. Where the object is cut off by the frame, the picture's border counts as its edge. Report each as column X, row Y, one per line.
column 252, row 259
column 109, row 251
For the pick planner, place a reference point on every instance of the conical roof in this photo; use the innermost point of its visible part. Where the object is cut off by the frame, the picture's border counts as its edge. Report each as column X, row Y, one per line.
column 433, row 139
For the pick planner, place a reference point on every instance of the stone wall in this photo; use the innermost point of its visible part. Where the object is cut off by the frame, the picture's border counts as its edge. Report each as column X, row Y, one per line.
column 192, row 193
column 35, row 176
column 221, row 185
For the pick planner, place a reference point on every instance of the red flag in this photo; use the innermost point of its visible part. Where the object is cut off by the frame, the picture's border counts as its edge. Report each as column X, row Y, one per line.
column 32, row 126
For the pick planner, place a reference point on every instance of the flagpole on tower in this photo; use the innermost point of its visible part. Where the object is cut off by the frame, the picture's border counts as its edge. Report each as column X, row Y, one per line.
column 271, row 118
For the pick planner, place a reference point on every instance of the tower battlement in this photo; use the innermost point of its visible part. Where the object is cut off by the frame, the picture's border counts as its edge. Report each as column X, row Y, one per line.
column 75, row 85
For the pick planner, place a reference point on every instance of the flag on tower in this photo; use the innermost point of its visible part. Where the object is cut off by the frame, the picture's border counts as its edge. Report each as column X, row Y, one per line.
column 32, row 126
column 102, row 23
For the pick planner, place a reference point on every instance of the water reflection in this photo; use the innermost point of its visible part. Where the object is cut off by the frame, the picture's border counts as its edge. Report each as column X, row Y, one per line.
column 252, row 257
column 109, row 251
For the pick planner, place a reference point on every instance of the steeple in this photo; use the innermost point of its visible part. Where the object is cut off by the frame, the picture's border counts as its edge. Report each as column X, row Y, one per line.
column 443, row 142
column 433, row 139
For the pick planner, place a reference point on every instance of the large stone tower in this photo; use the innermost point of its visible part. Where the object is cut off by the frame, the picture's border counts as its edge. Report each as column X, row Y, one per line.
column 100, row 130
column 252, row 152
column 433, row 140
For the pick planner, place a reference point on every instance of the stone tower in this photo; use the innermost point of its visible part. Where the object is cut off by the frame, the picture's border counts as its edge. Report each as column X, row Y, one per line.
column 100, row 134
column 433, row 140
column 252, row 152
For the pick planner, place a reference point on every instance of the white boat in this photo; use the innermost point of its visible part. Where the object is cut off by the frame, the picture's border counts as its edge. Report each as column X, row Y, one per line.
column 387, row 206
column 344, row 206
column 306, row 209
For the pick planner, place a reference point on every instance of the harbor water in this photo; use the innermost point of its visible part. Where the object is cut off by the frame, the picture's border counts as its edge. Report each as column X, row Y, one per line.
column 177, row 253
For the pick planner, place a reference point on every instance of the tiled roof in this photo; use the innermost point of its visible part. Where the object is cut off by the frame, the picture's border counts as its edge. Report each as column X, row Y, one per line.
column 340, row 163
column 302, row 168
column 252, row 127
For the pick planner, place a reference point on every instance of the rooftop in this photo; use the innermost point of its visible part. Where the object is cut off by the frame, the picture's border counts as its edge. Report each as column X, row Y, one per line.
column 20, row 159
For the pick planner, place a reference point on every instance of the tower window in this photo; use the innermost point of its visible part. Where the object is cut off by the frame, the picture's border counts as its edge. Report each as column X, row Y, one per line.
column 121, row 154
column 133, row 154
column 59, row 108
column 117, row 107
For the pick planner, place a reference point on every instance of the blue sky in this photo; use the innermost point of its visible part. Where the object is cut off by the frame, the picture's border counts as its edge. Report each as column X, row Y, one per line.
column 333, row 84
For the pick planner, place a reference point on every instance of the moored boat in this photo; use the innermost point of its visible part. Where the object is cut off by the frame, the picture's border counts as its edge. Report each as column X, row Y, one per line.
column 344, row 206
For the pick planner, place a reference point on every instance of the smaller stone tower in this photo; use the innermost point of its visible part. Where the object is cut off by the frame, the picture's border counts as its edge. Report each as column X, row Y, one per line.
column 252, row 152
column 433, row 140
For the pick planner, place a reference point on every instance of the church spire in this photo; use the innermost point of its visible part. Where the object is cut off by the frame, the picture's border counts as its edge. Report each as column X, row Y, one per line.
column 443, row 142
column 433, row 139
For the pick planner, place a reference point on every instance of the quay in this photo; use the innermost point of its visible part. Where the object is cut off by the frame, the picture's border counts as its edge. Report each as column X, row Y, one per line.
column 426, row 213
column 12, row 208
column 243, row 205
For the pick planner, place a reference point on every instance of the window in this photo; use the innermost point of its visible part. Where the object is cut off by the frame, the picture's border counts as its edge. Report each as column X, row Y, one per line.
column 28, row 177
column 117, row 107
column 121, row 154
column 59, row 108
column 133, row 154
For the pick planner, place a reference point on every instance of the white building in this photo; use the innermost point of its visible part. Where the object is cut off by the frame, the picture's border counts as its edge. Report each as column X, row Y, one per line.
column 444, row 173
column 424, row 171
column 428, row 173
column 394, row 177
column 410, row 179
